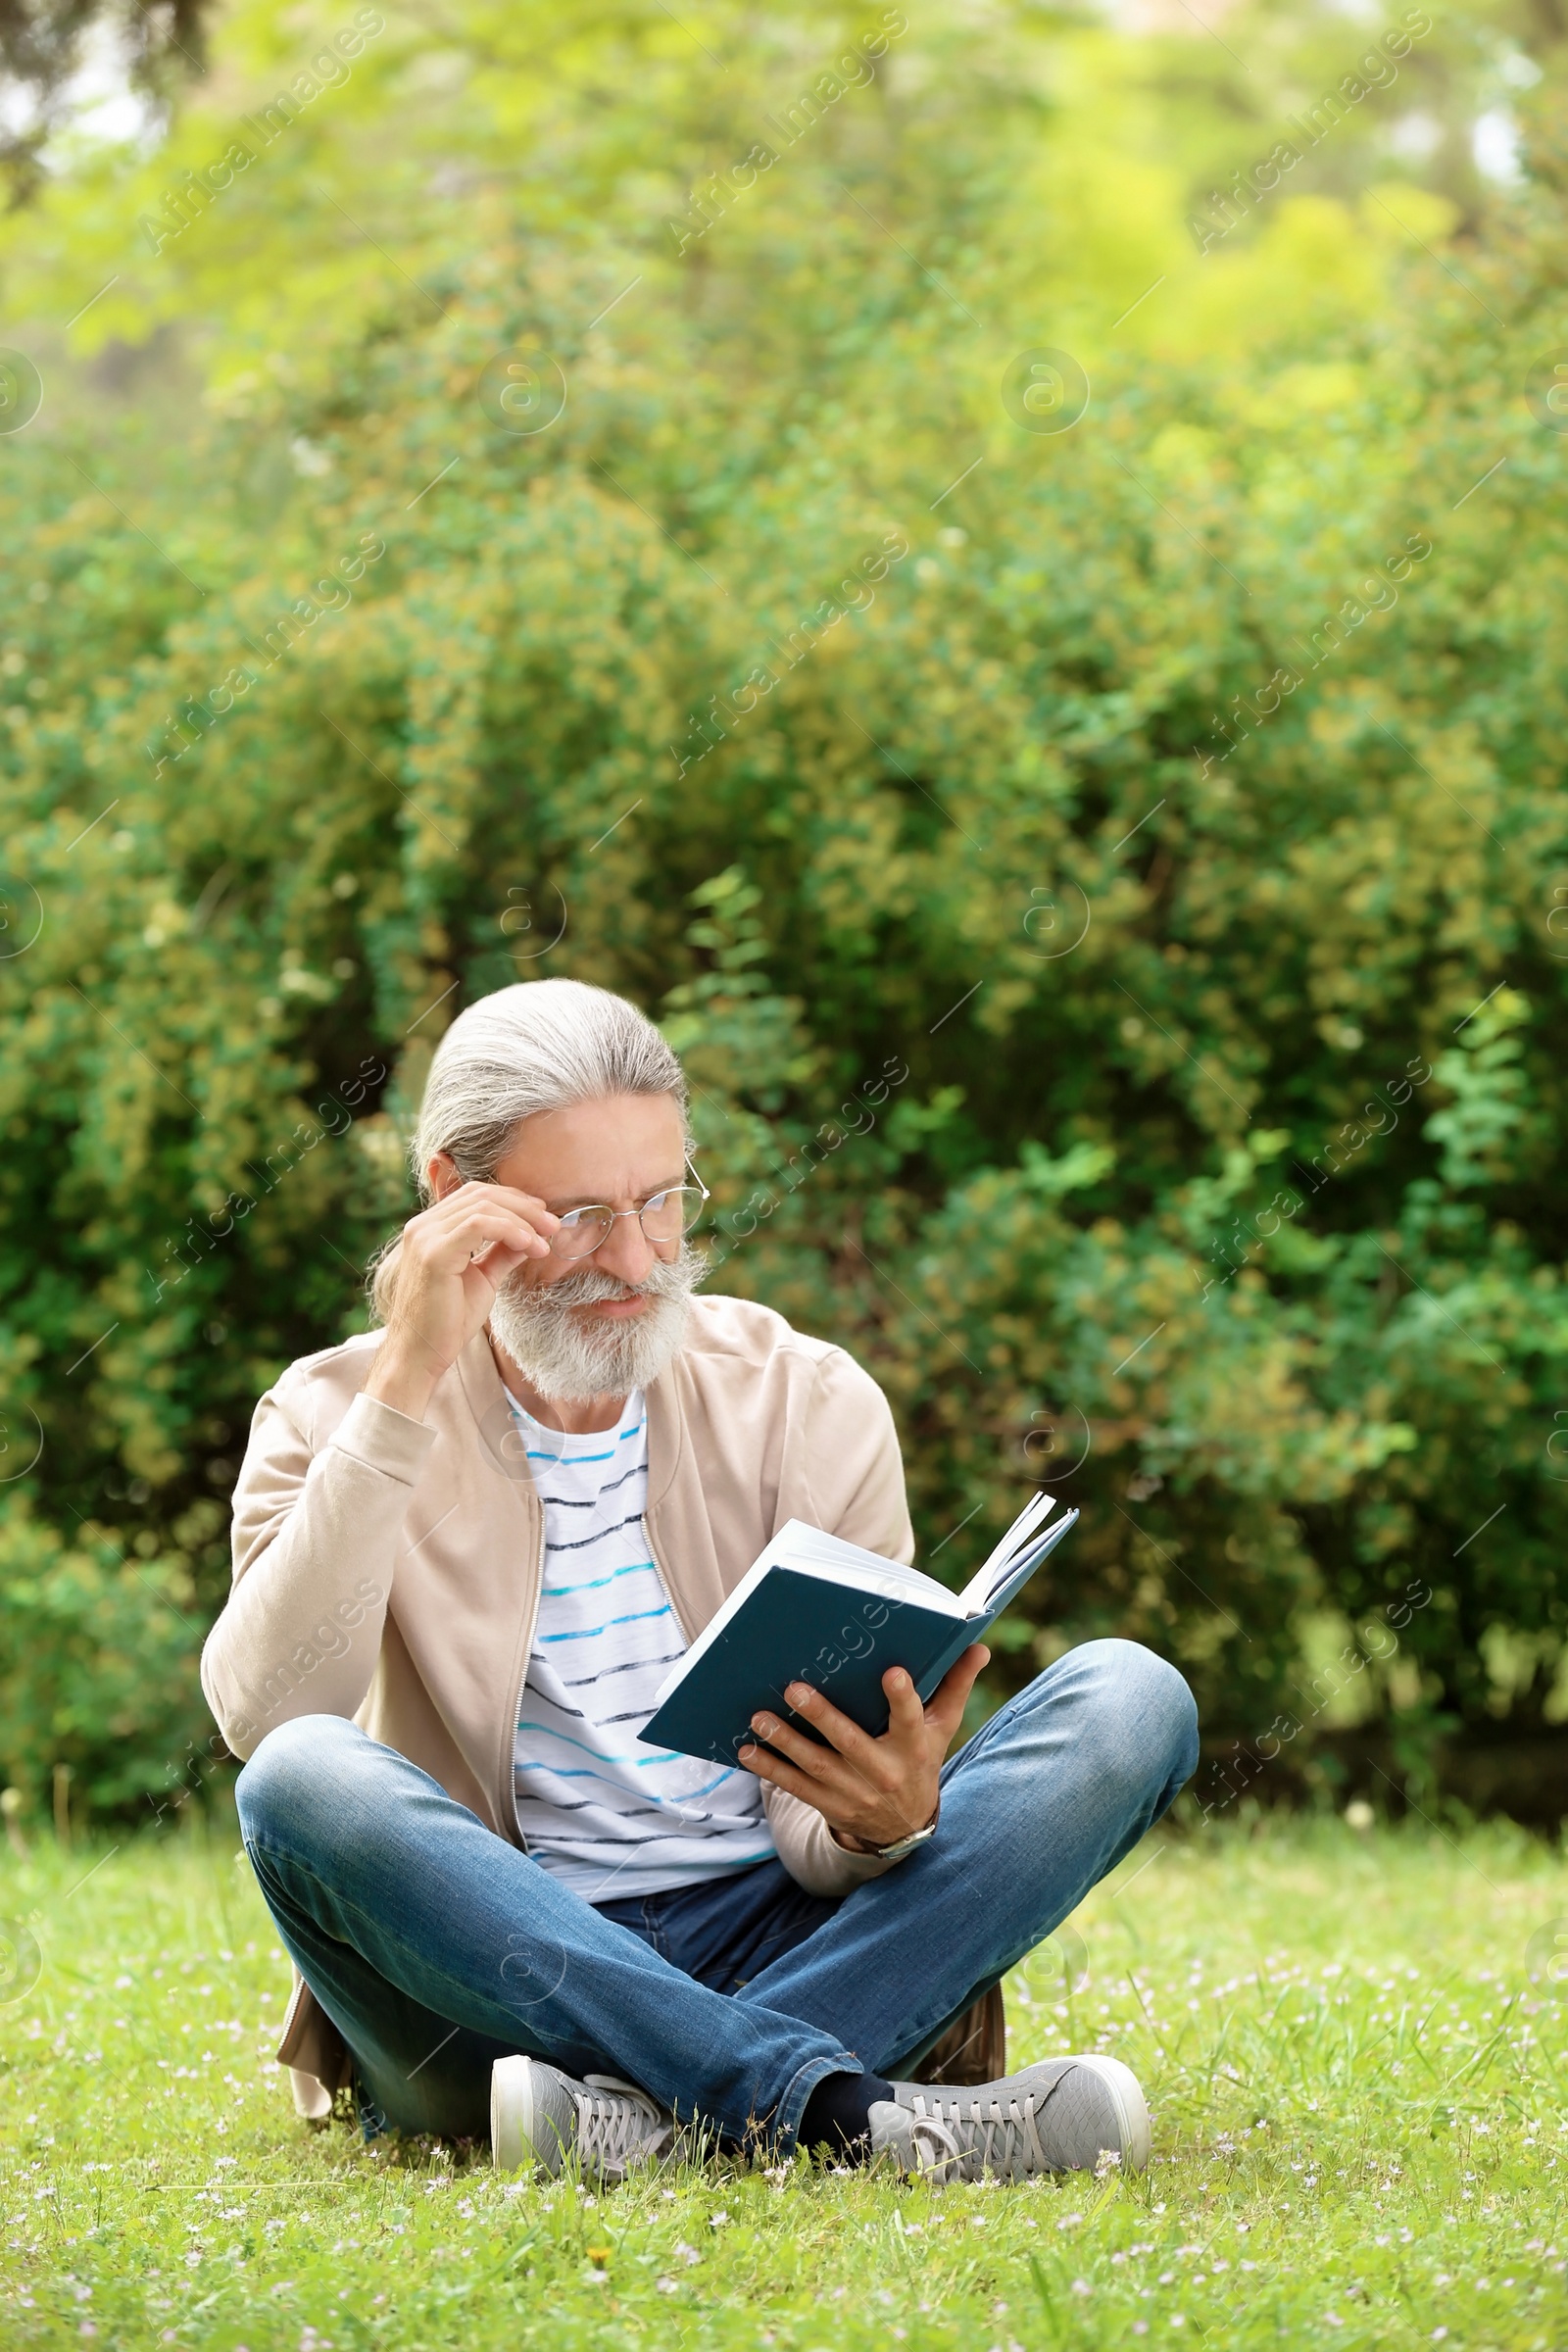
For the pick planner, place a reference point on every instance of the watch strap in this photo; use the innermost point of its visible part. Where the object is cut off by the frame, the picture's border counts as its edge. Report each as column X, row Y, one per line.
column 905, row 1845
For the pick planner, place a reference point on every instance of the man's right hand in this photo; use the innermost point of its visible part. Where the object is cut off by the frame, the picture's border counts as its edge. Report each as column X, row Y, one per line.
column 452, row 1258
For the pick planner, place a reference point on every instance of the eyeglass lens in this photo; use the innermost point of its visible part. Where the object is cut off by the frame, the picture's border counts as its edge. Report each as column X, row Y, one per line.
column 665, row 1218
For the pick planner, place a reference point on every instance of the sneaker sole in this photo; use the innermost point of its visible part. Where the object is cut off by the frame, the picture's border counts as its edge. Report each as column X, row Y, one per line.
column 512, row 2144
column 1126, row 2096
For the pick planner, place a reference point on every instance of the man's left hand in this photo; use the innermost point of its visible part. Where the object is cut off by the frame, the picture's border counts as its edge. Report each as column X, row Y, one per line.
column 871, row 1792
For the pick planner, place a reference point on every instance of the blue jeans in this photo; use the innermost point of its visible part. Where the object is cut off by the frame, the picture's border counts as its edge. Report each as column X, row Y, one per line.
column 436, row 1947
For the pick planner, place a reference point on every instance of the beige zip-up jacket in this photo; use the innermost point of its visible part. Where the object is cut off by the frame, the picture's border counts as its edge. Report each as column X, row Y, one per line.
column 389, row 1569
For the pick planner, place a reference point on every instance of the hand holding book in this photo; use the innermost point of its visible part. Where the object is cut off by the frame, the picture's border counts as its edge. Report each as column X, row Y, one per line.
column 869, row 1791
column 861, row 1666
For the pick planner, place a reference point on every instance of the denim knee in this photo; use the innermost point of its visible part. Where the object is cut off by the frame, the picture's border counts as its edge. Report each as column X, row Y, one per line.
column 293, row 1769
column 1145, row 1714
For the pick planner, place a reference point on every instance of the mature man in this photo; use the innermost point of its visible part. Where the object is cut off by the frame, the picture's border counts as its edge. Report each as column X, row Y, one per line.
column 468, row 1550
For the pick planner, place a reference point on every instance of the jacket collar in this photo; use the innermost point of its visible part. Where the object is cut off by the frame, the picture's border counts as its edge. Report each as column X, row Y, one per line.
column 483, row 1383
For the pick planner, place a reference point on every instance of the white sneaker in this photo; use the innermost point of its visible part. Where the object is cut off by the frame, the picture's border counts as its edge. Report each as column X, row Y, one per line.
column 1065, row 2115
column 541, row 2119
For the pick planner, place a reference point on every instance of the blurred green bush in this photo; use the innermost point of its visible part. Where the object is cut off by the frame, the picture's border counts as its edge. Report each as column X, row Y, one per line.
column 1107, row 884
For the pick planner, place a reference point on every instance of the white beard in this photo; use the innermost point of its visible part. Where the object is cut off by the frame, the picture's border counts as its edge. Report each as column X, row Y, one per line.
column 572, row 1361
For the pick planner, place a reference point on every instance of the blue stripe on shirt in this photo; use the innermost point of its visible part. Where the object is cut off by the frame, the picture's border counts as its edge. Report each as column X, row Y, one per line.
column 526, row 1723
column 645, row 1820
column 588, row 1633
column 591, row 1583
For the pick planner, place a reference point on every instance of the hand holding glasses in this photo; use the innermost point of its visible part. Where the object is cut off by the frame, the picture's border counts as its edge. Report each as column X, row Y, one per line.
column 453, row 1253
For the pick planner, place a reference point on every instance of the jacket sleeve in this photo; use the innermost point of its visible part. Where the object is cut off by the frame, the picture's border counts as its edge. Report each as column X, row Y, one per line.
column 316, row 1538
column 856, row 1485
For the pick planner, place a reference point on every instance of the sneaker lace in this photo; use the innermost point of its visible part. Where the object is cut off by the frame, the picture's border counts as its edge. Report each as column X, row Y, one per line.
column 935, row 2146
column 618, row 2124
column 999, row 2134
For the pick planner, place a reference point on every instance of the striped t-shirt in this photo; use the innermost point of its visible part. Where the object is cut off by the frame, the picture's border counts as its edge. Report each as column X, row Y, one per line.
column 604, row 1814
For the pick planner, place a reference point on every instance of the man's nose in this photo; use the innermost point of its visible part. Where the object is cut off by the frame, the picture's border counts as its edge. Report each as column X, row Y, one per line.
column 625, row 1253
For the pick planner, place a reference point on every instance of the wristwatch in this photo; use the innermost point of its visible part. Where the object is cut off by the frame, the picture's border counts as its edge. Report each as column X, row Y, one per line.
column 900, row 1845
column 906, row 1845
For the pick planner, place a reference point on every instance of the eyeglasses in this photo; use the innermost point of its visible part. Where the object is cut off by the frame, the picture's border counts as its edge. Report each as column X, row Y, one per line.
column 665, row 1218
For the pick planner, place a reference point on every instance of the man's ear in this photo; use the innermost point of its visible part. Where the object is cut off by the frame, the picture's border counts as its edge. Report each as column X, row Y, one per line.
column 441, row 1175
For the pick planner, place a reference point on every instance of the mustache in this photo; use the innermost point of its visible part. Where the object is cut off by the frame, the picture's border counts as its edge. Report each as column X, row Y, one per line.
column 569, row 1359
column 590, row 1284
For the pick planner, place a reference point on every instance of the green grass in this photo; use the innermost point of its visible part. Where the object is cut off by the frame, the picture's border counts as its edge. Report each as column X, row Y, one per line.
column 1360, row 2135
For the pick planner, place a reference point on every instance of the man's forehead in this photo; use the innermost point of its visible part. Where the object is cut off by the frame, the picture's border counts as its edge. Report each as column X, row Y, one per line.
column 626, row 1146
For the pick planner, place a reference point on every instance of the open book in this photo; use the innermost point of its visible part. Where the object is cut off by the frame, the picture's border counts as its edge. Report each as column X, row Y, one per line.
column 814, row 1609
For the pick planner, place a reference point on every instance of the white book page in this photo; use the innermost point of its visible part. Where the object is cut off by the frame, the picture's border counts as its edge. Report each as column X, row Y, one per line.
column 798, row 1541
column 797, row 1546
column 889, row 1577
column 994, row 1570
column 811, row 1551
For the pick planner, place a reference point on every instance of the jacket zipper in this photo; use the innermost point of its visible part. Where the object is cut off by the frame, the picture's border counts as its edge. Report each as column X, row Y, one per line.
column 663, row 1581
column 510, row 1781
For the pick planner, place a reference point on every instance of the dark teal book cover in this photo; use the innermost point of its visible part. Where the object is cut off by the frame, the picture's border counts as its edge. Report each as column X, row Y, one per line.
column 798, row 1627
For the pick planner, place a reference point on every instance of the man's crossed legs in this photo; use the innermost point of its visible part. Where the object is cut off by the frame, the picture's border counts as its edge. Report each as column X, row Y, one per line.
column 438, row 1948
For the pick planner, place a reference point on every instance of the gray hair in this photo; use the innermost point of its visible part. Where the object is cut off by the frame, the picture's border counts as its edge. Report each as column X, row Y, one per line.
column 541, row 1044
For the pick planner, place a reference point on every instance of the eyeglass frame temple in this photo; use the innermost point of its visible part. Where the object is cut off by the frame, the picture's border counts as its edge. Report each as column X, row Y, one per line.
column 614, row 1215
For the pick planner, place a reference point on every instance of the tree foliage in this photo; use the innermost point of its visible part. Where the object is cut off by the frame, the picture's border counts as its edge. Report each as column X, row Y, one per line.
column 1106, row 883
